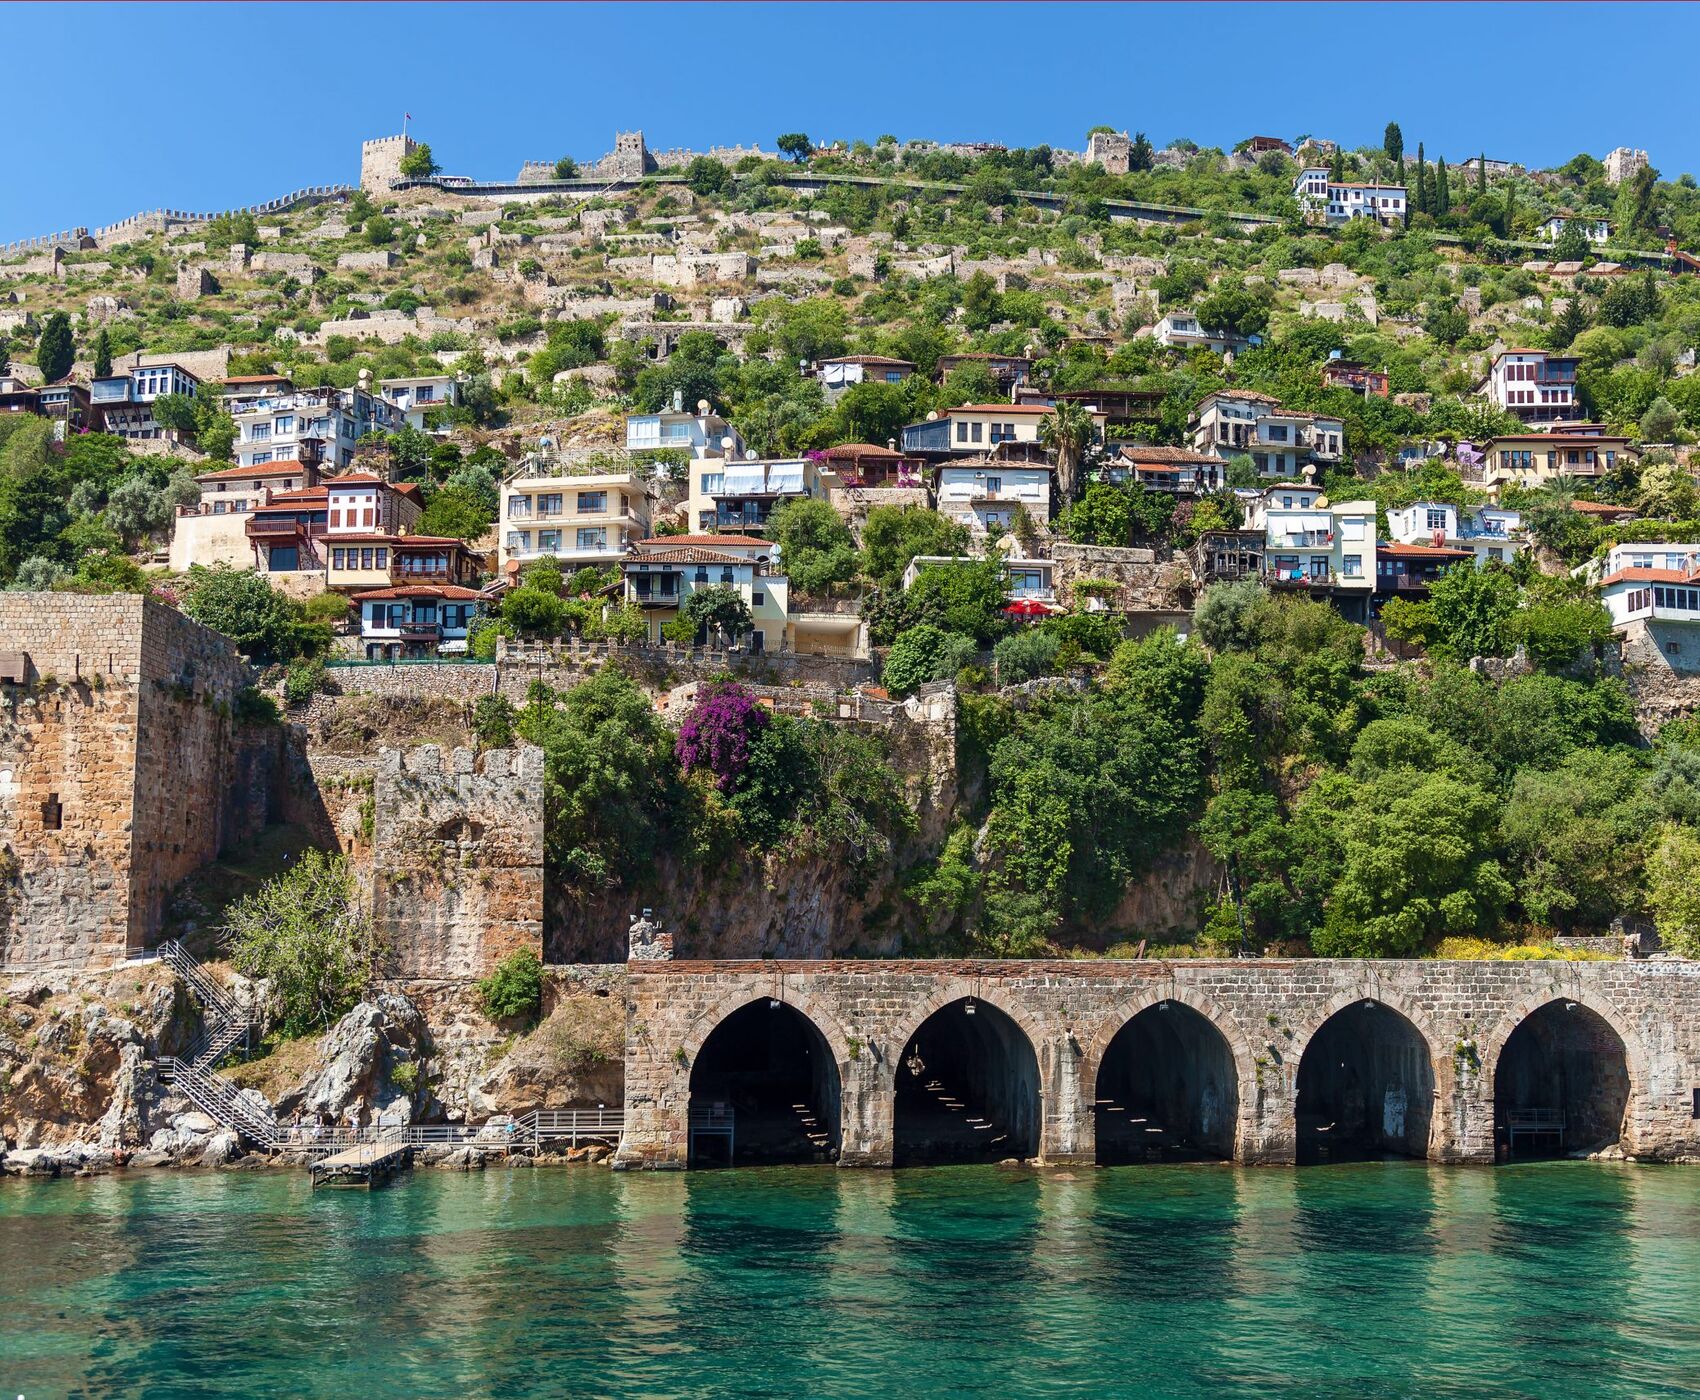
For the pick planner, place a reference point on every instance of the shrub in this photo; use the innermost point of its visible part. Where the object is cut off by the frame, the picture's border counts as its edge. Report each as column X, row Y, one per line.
column 719, row 731
column 304, row 680
column 514, row 987
column 1024, row 655
column 305, row 932
column 925, row 653
column 493, row 721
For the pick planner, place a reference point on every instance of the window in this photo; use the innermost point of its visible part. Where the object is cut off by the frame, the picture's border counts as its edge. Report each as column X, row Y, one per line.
column 383, row 560
column 365, row 558
column 726, row 575
column 519, row 541
column 975, row 431
column 549, row 504
column 994, row 484
column 595, row 538
column 961, row 431
column 700, row 576
column 519, row 507
column 756, row 598
column 679, row 431
column 336, row 559
column 548, row 541
column 285, row 424
column 260, row 432
column 1436, row 519
column 1352, row 567
column 592, row 502
column 52, row 814
column 261, row 458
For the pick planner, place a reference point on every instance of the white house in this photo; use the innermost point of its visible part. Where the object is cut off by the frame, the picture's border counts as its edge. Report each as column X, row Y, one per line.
column 702, row 434
column 1598, row 231
column 318, row 427
column 1488, row 532
column 1340, row 201
column 1279, row 441
column 1180, row 330
column 417, row 395
column 1652, row 592
column 985, row 493
column 1534, row 385
column 1312, row 544
column 737, row 497
column 414, row 620
column 847, row 371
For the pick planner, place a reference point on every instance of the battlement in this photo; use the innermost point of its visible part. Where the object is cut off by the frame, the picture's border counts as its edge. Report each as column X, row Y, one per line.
column 380, row 161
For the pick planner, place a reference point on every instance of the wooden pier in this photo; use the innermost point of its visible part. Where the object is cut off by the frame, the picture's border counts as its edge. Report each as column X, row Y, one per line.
column 367, row 1164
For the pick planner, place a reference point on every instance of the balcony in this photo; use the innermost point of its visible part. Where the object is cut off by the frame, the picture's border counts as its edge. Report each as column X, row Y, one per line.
column 281, row 529
column 1298, row 578
column 421, row 631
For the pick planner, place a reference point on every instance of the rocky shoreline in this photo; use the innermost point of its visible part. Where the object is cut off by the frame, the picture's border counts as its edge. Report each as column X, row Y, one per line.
column 81, row 1093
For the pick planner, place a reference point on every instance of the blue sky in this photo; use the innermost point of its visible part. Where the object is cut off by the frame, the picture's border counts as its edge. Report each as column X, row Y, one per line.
column 288, row 92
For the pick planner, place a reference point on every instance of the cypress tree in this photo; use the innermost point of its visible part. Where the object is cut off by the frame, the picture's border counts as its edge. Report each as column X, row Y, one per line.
column 1420, row 203
column 1481, row 174
column 1442, row 194
column 1337, row 167
column 102, row 355
column 54, row 351
column 1399, row 169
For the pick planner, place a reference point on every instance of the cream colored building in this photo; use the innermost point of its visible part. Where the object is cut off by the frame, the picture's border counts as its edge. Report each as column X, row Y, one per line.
column 738, row 497
column 581, row 519
column 213, row 531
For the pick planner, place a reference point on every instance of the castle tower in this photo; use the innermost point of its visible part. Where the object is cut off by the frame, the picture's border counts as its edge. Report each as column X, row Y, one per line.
column 380, row 162
column 631, row 156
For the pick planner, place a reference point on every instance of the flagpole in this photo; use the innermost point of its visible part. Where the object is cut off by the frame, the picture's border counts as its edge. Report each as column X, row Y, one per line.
column 404, row 117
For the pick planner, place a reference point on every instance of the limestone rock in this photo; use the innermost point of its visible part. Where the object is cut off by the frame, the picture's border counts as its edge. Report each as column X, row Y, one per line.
column 357, row 1060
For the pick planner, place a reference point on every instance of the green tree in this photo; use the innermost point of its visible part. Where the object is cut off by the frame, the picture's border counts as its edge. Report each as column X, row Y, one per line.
column 566, row 168
column 1660, row 422
column 796, row 145
column 102, row 354
column 1481, row 173
column 534, row 611
column 419, row 164
column 379, row 230
column 1420, row 199
column 55, row 350
column 816, row 548
column 707, row 176
column 255, row 616
column 305, row 933
column 514, row 988
column 455, row 512
column 1472, row 609
column 718, row 610
column 1393, row 142
column 1673, row 894
column 1417, row 864
column 895, row 535
column 1140, row 154
column 925, row 653
column 1571, row 245
column 1575, row 836
column 1067, row 433
column 1442, row 190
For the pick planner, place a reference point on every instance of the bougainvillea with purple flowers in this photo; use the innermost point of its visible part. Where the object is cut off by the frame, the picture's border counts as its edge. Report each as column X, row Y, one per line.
column 720, row 730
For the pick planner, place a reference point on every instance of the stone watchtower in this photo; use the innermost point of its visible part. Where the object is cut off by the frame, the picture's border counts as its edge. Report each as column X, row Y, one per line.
column 1110, row 149
column 380, row 162
column 631, row 156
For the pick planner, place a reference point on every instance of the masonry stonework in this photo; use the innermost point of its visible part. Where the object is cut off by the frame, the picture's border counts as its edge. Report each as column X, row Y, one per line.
column 123, row 769
column 1267, row 1013
column 457, row 858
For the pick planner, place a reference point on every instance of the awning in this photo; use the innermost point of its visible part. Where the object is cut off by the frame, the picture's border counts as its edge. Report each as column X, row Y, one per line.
column 785, row 478
column 742, row 479
column 1030, row 607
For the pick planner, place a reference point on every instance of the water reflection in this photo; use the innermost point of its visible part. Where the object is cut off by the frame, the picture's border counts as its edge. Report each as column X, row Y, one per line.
column 1564, row 1280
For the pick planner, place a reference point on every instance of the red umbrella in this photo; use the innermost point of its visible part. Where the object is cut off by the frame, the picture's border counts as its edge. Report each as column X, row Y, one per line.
column 1026, row 607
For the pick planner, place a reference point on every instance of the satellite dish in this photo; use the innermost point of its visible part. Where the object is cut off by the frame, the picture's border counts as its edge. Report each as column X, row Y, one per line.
column 749, row 454
column 702, row 407
column 727, row 443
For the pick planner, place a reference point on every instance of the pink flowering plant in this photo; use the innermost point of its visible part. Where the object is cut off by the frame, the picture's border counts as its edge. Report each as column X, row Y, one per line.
column 719, row 732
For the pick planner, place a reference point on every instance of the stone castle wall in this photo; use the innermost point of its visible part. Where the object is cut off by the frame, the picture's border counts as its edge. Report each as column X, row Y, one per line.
column 1267, row 1013
column 380, row 162
column 457, row 858
column 122, row 770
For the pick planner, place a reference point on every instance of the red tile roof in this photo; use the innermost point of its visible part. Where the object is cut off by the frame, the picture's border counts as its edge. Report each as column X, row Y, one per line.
column 447, row 591
column 356, row 479
column 867, row 360
column 400, row 541
column 1600, row 508
column 312, row 495
column 687, row 554
column 1000, row 408
column 1420, row 551
column 1139, row 452
column 1650, row 576
column 860, row 449
column 258, row 379
column 287, row 467
column 711, row 541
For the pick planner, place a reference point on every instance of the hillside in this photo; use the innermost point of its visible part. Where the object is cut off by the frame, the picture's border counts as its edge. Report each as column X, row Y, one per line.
column 1280, row 776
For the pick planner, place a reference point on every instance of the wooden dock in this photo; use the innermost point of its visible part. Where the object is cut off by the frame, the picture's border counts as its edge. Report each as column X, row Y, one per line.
column 367, row 1164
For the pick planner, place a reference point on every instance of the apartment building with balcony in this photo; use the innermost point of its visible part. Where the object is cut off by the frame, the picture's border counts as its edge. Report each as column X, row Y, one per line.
column 418, row 395
column 1280, row 442
column 587, row 519
column 731, row 497
column 241, row 392
column 1007, row 371
column 1488, row 534
column 1535, row 386
column 1181, row 330
column 123, row 403
column 701, row 434
column 414, row 620
column 1176, row 470
column 1010, row 430
column 316, row 426
column 1581, row 451
column 1407, row 570
column 1318, row 546
column 1359, row 378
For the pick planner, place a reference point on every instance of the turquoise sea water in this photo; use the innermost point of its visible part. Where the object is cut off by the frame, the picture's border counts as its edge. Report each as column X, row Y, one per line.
column 1555, row 1281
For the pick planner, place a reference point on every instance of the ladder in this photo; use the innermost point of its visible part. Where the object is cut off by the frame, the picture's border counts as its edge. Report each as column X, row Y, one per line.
column 224, row 1025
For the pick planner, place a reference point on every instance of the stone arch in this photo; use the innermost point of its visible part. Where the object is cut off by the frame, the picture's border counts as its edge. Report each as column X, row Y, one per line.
column 1240, row 1057
column 980, row 1085
column 780, row 1064
column 1601, row 1117
column 1335, row 1104
column 1239, row 1045
column 1493, row 1045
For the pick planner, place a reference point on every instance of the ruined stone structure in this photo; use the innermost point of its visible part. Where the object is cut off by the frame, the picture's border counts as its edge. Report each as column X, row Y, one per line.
column 380, row 162
column 1110, row 149
column 123, row 768
column 1256, row 1061
column 457, row 858
column 631, row 159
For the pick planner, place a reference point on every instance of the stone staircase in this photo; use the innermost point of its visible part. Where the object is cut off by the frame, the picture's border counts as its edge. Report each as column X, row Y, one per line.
column 224, row 1025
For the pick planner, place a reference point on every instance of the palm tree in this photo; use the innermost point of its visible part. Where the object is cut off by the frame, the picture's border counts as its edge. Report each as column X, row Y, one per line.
column 1066, row 433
